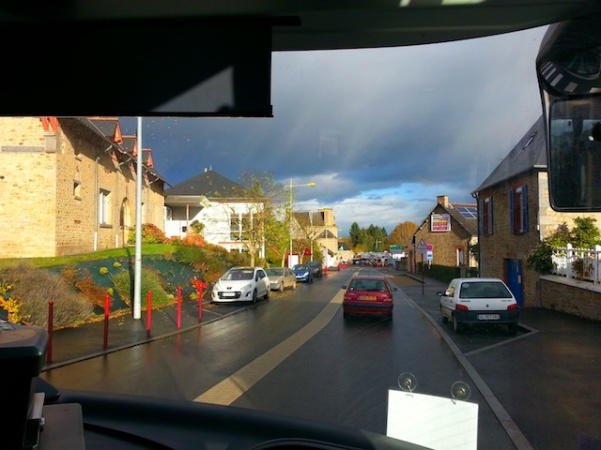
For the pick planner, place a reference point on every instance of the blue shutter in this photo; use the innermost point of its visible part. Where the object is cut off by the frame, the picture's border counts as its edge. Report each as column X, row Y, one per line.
column 511, row 210
column 490, row 221
column 481, row 206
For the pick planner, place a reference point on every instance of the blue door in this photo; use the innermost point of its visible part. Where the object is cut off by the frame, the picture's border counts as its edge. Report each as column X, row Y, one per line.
column 514, row 279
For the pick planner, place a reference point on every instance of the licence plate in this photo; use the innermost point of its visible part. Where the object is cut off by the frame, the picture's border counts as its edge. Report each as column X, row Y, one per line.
column 228, row 294
column 367, row 297
column 489, row 316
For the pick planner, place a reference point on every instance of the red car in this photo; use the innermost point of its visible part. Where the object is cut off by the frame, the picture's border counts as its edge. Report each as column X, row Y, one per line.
column 369, row 295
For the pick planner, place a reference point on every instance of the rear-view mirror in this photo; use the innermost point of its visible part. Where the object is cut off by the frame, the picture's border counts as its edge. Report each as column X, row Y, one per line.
column 574, row 163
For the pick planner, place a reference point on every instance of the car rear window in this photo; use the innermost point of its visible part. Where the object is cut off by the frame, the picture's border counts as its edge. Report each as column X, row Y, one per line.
column 484, row 289
column 368, row 285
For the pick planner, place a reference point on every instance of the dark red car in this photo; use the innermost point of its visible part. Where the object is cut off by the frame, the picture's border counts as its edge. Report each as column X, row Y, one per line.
column 369, row 295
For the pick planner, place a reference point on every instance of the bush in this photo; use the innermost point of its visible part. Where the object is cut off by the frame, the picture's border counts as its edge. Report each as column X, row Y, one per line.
column 31, row 289
column 151, row 234
column 151, row 281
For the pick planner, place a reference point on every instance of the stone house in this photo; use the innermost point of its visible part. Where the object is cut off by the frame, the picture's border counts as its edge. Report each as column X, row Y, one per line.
column 450, row 229
column 514, row 215
column 69, row 186
column 320, row 229
column 219, row 204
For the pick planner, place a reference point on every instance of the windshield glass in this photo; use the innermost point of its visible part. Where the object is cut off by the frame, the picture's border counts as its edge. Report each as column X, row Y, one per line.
column 418, row 164
column 239, row 274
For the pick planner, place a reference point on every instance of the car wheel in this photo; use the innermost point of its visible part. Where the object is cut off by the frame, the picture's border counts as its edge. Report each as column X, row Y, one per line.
column 281, row 289
column 445, row 319
column 266, row 296
column 294, row 286
column 255, row 296
column 457, row 327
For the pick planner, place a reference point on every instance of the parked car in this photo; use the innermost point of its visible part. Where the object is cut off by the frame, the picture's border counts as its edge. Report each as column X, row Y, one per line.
column 303, row 273
column 482, row 301
column 241, row 284
column 316, row 268
column 281, row 278
column 368, row 295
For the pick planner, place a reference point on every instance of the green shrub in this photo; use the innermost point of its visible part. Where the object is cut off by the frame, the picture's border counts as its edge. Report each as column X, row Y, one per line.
column 151, row 281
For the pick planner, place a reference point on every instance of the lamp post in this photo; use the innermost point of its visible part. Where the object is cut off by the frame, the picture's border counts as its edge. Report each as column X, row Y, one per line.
column 291, row 187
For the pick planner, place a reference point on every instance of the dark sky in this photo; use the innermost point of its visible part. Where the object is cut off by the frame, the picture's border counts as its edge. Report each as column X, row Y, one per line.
column 381, row 132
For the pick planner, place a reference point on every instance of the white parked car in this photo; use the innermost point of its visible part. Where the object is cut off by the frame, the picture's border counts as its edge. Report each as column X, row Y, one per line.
column 241, row 284
column 470, row 301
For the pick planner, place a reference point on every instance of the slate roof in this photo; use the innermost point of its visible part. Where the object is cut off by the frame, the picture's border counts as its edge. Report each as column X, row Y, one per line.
column 529, row 153
column 469, row 224
column 210, row 184
column 108, row 128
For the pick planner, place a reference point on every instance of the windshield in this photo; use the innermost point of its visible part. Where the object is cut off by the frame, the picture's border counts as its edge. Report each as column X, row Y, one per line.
column 239, row 274
column 420, row 164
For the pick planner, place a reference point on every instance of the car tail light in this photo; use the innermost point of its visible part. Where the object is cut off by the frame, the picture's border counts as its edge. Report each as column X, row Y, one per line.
column 386, row 298
column 460, row 307
column 513, row 307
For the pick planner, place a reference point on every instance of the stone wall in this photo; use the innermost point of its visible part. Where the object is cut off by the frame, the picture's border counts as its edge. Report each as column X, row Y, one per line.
column 573, row 297
column 50, row 185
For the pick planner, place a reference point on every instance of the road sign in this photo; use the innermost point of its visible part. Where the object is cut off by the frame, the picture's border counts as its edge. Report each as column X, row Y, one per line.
column 429, row 256
column 429, row 247
column 422, row 247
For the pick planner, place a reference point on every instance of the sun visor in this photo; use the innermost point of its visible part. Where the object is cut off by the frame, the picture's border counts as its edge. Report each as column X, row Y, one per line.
column 137, row 68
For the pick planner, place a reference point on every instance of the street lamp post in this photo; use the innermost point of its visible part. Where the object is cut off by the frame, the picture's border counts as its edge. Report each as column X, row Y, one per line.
column 291, row 187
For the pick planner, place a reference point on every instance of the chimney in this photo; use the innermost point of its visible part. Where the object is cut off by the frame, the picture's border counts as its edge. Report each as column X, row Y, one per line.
column 443, row 200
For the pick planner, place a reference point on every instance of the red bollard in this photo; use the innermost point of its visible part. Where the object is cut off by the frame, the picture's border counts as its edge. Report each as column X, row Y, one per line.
column 107, row 309
column 200, row 296
column 50, row 327
column 179, row 307
column 149, row 313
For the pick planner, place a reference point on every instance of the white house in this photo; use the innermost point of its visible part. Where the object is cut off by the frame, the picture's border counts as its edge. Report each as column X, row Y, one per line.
column 215, row 201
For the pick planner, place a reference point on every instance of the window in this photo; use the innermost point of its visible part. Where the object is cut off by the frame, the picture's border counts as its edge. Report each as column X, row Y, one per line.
column 485, row 216
column 460, row 257
column 239, row 226
column 77, row 190
column 104, row 207
column 518, row 209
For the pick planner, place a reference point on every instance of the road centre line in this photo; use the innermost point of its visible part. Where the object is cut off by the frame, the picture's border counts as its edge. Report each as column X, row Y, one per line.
column 230, row 389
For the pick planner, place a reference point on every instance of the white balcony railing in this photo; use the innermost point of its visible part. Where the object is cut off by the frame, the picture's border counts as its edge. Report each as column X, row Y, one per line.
column 578, row 263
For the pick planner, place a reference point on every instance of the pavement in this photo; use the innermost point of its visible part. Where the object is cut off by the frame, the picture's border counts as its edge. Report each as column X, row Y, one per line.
column 546, row 377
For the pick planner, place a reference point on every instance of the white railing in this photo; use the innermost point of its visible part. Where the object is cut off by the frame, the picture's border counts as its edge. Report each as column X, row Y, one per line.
column 578, row 263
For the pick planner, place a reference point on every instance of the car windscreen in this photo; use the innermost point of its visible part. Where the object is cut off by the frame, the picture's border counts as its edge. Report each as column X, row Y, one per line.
column 239, row 275
column 275, row 272
column 484, row 289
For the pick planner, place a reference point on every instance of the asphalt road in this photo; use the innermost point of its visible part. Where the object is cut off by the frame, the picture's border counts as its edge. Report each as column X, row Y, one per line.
column 293, row 355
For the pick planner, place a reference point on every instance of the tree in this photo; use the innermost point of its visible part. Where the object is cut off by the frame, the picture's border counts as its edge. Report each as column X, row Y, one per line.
column 402, row 234
column 355, row 234
column 585, row 234
column 258, row 212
